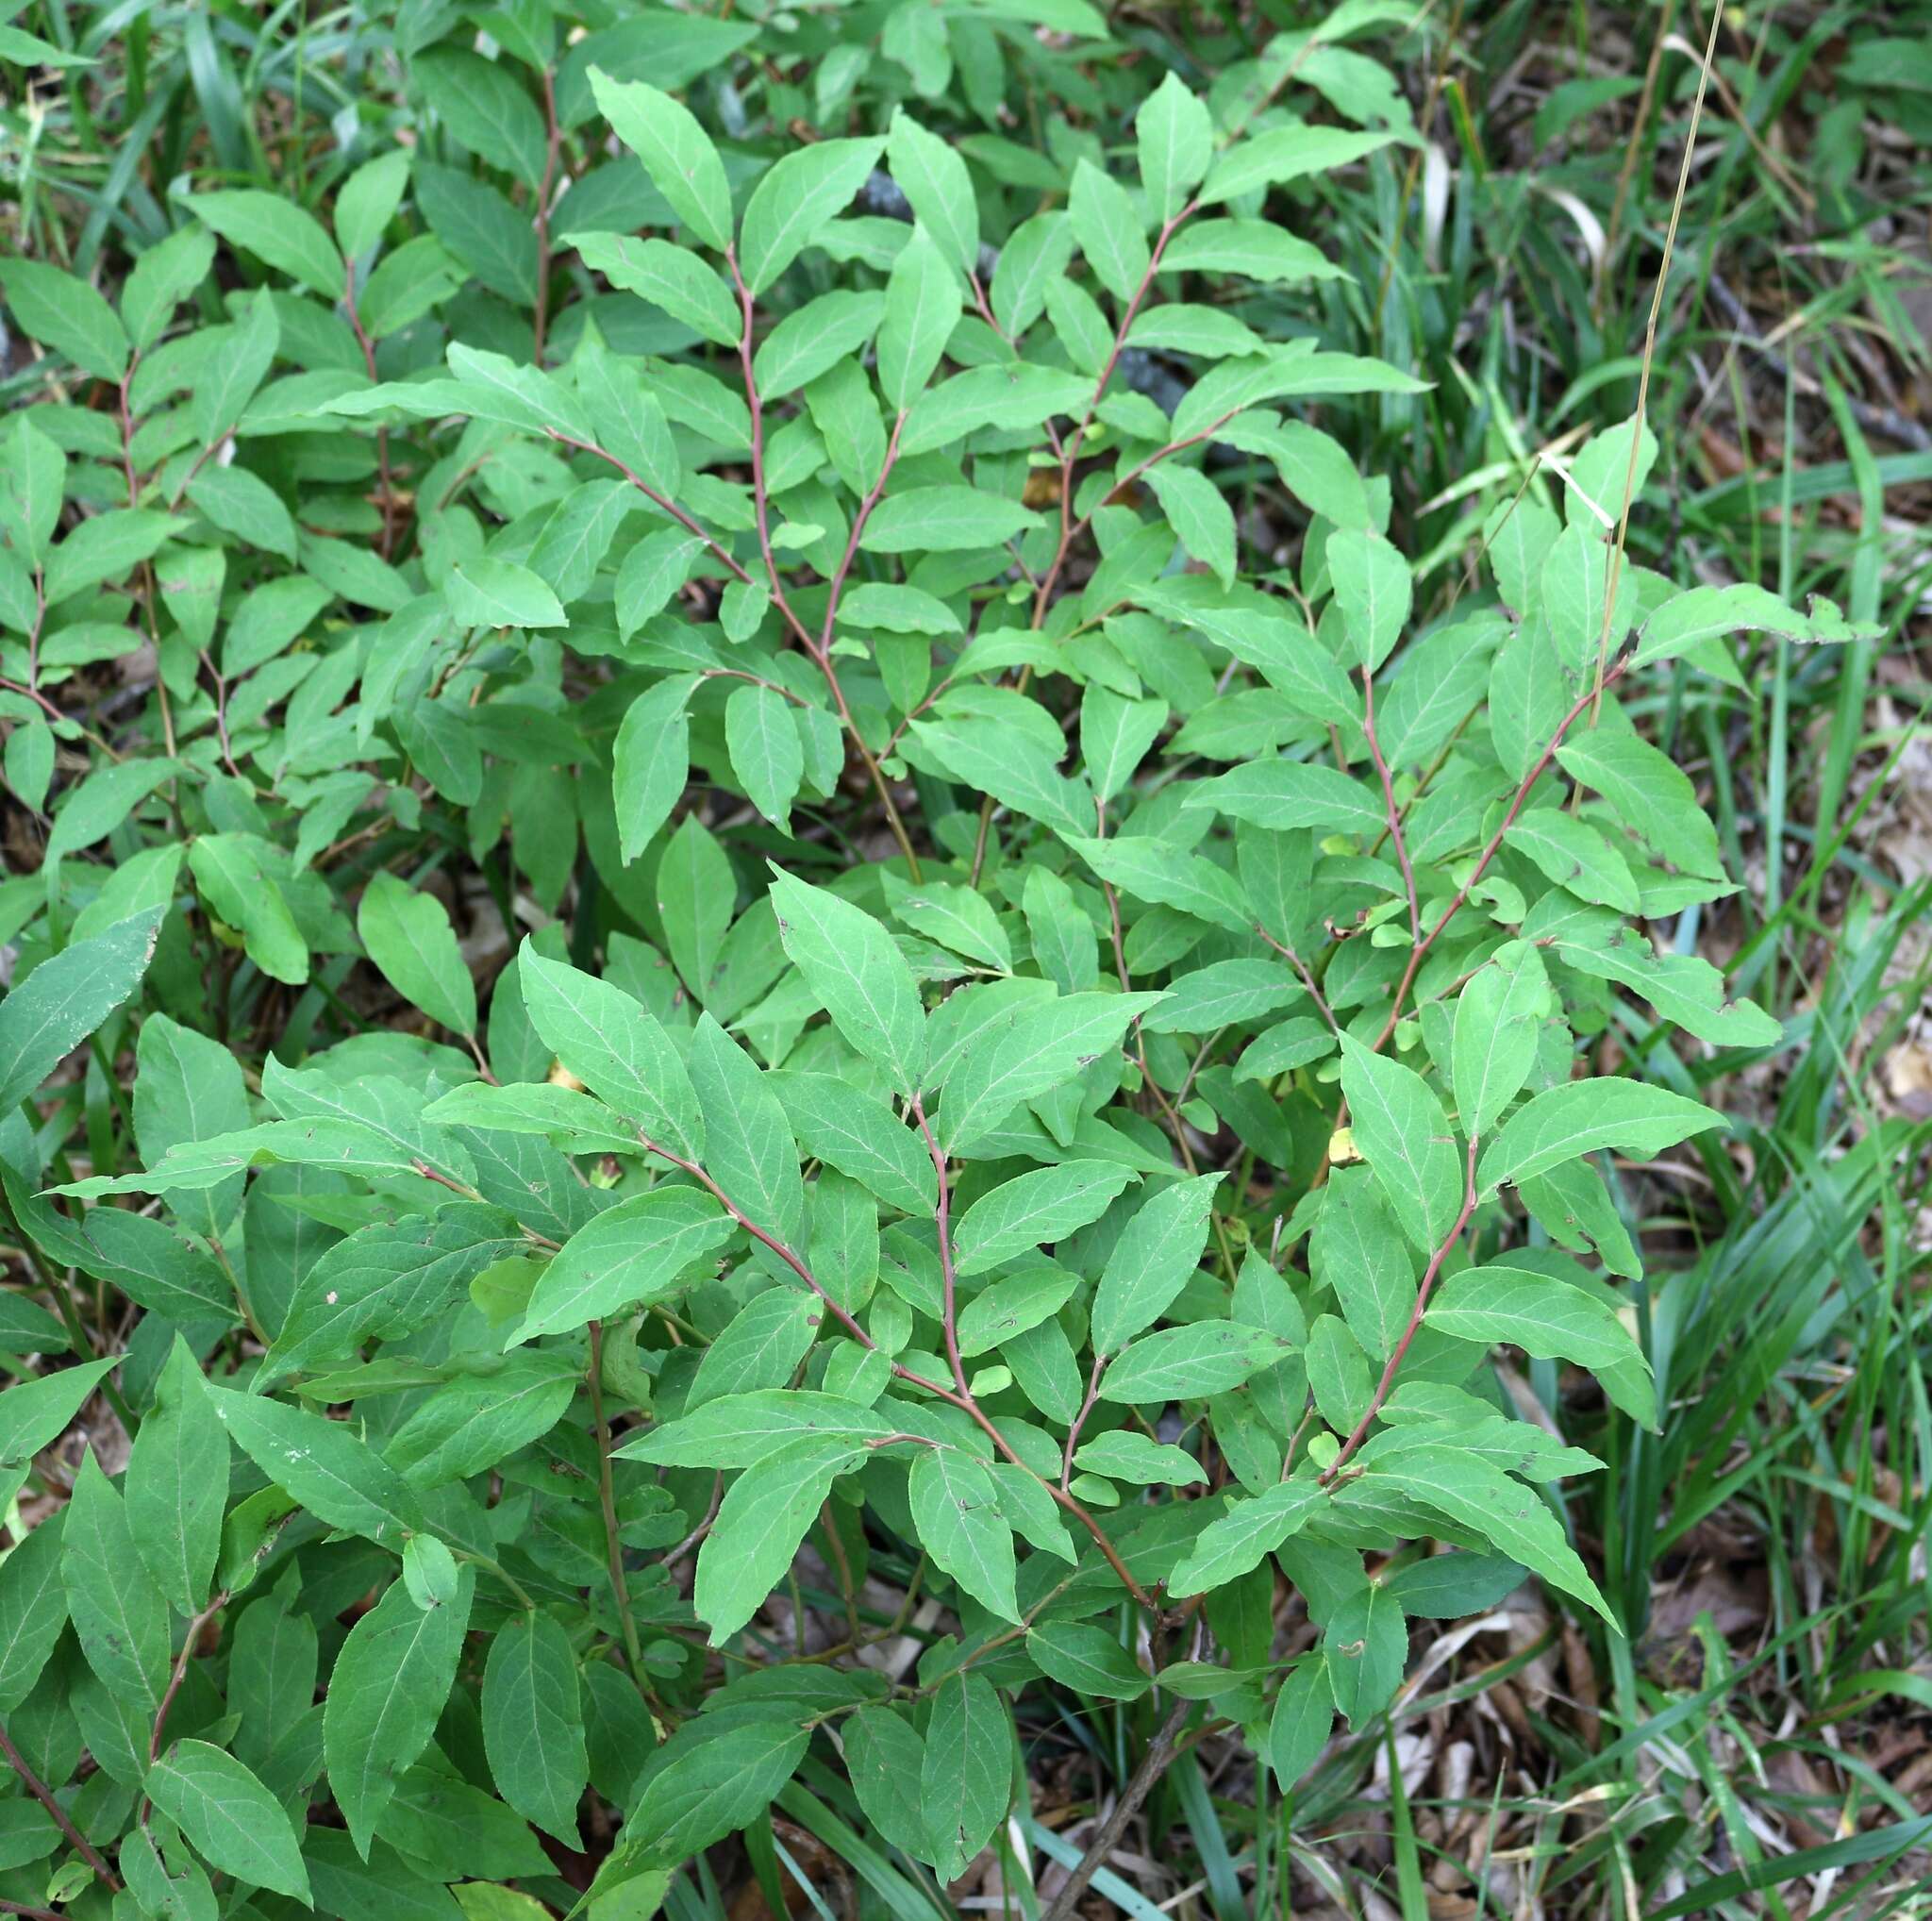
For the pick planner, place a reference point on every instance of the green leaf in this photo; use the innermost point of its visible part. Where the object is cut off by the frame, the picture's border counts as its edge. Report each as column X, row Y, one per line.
column 533, row 1724
column 759, row 1348
column 944, row 519
column 232, row 874
column 1185, row 1364
column 275, row 229
column 1034, row 255
column 1366, row 1643
column 119, row 1615
column 676, row 152
column 859, row 1136
column 65, row 999
column 1688, row 620
column 608, row 1042
column 1109, row 231
column 33, row 486
column 1564, row 1123
column 1358, row 1253
column 1374, row 591
column 968, row 1776
column 1410, row 1148
column 640, row 1251
column 1283, row 794
column 880, row 604
column 812, row 338
column 933, row 177
column 366, row 202
column 226, row 1814
column 484, row 108
column 1124, row 1455
column 486, row 592
column 749, row 1150
column 884, row 1760
column 1257, row 249
column 1574, row 582
column 955, row 1510
column 386, row 1281
column 65, row 314
column 1156, row 871
column 853, row 967
column 651, row 761
column 714, row 1784
column 1013, row 1305
column 1283, row 154
column 177, row 1485
column 669, row 276
column 244, row 504
column 803, row 190
column 161, row 279
column 956, row 917
column 1545, row 1317
column 1088, row 1659
column 922, row 310
column 1649, row 792
column 1028, row 1051
column 385, row 1693
column 1016, row 769
column 744, row 1429
column 35, row 1413
column 470, row 1424
column 1304, row 1716
column 338, row 1476
column 1451, row 1587
column 1245, row 1535
column 1150, row 1262
column 1497, row 1018
column 763, row 1517
column 107, row 547
column 1044, row 1206
column 1511, row 1517
column 1175, row 136
column 33, row 1611
column 762, row 741
column 1115, row 735
column 1200, row 515
column 410, row 938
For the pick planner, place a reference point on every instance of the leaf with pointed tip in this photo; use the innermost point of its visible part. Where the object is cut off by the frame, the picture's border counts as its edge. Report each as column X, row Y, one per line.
column 229, row 1817
column 1495, row 1035
column 763, row 1517
column 608, row 1042
column 333, row 1473
column 676, row 152
column 803, row 191
column 177, row 1485
column 1035, row 1210
column 1157, row 1250
column 533, row 1724
column 1406, row 1137
column 410, row 938
column 1245, row 1535
column 1564, row 1123
column 384, row 1696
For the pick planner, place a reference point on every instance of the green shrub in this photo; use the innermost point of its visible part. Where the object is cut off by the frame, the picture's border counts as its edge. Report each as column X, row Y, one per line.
column 1047, row 1053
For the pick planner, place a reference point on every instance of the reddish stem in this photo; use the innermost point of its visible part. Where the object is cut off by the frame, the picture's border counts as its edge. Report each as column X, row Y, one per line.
column 1393, row 1365
column 964, row 1402
column 942, row 1219
column 77, row 1840
column 1415, row 911
column 1489, row 854
column 368, row 346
